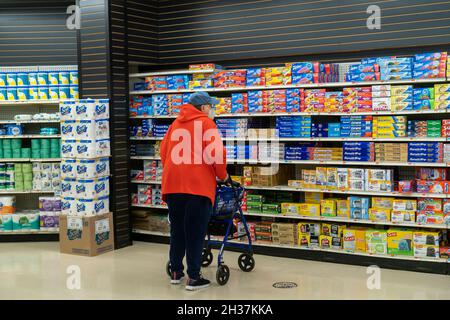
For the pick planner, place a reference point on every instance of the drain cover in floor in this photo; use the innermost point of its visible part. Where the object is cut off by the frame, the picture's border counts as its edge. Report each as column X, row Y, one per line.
column 284, row 285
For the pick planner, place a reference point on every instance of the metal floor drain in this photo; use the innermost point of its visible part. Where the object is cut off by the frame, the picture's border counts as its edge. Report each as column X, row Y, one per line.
column 284, row 285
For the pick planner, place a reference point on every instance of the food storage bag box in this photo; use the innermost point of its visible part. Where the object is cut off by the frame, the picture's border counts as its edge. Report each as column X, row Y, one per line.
column 86, row 236
column 89, row 207
column 88, row 149
column 90, row 188
column 6, row 224
column 91, row 129
column 87, row 109
column 67, row 110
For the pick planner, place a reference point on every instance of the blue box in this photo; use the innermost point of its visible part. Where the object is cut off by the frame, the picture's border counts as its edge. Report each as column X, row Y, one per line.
column 302, row 78
column 429, row 56
column 139, row 86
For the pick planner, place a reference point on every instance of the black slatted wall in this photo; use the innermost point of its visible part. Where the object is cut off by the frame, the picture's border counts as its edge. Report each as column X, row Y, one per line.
column 214, row 30
column 33, row 32
column 104, row 74
column 142, row 31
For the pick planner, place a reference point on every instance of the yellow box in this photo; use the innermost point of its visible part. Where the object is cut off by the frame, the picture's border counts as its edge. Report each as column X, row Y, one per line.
column 237, row 179
column 313, row 197
column 310, row 209
column 321, row 177
column 332, row 230
column 382, row 202
column 343, row 208
column 377, row 214
column 404, row 205
column 290, row 208
column 429, row 238
column 325, row 242
column 303, row 240
column 296, row 183
column 328, row 208
column 332, row 178
column 354, row 239
column 400, row 242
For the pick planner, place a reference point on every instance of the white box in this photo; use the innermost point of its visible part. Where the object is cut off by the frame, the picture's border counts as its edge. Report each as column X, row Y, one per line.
column 68, row 206
column 91, row 188
column 424, row 251
column 381, row 104
column 88, row 149
column 89, row 109
column 92, row 129
column 67, row 110
column 68, row 168
column 68, row 129
column 88, row 169
column 68, row 148
column 89, row 207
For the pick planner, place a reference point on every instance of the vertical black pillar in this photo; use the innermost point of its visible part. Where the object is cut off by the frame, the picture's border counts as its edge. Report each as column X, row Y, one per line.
column 103, row 65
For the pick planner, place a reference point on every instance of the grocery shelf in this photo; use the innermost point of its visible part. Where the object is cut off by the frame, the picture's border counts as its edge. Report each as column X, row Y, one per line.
column 258, row 244
column 151, row 206
column 301, row 86
column 344, row 220
column 27, row 102
column 172, row 72
column 321, row 162
column 146, row 138
column 32, row 136
column 30, row 160
column 24, row 192
column 145, row 158
column 290, row 114
column 406, row 139
column 28, row 121
column 364, row 193
column 410, row 258
column 153, row 233
column 27, row 232
column 145, row 182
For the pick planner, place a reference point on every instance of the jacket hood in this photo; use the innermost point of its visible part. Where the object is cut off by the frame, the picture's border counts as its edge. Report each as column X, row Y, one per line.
column 188, row 113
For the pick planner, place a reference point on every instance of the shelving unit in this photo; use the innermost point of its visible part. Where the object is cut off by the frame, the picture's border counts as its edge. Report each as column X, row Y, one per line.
column 340, row 256
column 32, row 136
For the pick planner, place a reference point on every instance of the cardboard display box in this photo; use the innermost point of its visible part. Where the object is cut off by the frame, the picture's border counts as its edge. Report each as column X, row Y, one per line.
column 86, row 236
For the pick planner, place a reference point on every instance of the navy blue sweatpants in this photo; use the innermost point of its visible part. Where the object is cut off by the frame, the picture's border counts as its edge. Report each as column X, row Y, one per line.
column 189, row 216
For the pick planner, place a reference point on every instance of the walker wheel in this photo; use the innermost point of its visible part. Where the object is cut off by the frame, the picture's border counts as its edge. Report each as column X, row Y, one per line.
column 246, row 262
column 169, row 269
column 222, row 275
column 207, row 257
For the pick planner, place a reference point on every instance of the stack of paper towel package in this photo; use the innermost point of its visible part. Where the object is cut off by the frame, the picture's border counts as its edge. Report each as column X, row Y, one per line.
column 85, row 151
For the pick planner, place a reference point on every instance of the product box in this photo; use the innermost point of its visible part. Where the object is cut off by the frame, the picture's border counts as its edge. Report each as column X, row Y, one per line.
column 354, row 239
column 343, row 208
column 403, row 216
column 328, row 208
column 86, row 236
column 404, row 205
column 376, row 214
column 400, row 242
column 376, row 242
column 426, row 238
column 426, row 251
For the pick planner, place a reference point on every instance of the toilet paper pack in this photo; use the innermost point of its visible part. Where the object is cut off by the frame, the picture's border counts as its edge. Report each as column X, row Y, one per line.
column 6, row 223
column 85, row 149
column 49, row 221
column 92, row 168
column 88, row 109
column 85, row 129
column 85, row 188
column 67, row 110
column 85, row 207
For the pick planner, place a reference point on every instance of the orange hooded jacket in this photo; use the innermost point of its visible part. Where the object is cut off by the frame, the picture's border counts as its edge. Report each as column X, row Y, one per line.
column 193, row 155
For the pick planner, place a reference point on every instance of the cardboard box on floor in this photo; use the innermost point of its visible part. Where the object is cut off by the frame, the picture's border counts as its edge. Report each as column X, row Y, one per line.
column 86, row 236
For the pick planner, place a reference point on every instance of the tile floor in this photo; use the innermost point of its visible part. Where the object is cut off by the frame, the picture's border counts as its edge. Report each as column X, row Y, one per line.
column 39, row 271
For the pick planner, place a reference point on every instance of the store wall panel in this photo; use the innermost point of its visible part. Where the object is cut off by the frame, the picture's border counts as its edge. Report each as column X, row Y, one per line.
column 142, row 20
column 35, row 33
column 195, row 31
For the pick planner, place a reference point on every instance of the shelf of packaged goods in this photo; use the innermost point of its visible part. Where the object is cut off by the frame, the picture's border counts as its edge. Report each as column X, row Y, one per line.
column 24, row 192
column 145, row 158
column 364, row 193
column 281, row 114
column 172, row 72
column 153, row 233
column 406, row 139
column 347, row 220
column 146, row 138
column 28, row 102
column 145, row 182
column 28, row 121
column 410, row 258
column 301, row 86
column 150, row 206
column 27, row 232
column 32, row 136
column 30, row 160
column 321, row 162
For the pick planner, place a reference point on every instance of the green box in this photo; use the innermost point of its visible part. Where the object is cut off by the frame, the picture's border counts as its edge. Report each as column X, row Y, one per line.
column 7, row 154
column 254, row 207
column 255, row 198
column 273, row 208
column 26, row 153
